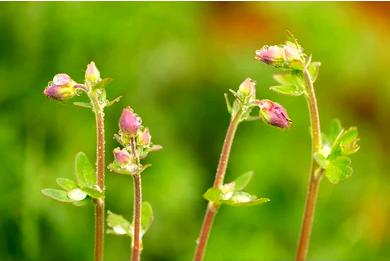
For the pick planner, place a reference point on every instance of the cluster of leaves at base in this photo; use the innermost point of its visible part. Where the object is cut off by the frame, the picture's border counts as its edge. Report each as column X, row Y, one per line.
column 120, row 226
column 338, row 145
column 231, row 193
column 78, row 192
column 292, row 82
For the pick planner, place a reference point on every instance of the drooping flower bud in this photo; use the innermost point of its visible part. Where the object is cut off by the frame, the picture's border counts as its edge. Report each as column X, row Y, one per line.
column 273, row 55
column 61, row 88
column 247, row 89
column 122, row 156
column 92, row 73
column 293, row 54
column 145, row 137
column 129, row 122
column 274, row 113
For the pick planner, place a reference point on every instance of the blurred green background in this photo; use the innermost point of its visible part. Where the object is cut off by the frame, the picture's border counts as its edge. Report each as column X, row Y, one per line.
column 172, row 62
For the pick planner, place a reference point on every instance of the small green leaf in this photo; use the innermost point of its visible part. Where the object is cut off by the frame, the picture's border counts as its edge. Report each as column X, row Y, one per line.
column 83, row 104
column 284, row 78
column 103, row 83
column 287, row 90
column 244, row 199
column 82, row 202
column 334, row 130
column 314, row 69
column 213, row 195
column 77, row 194
column 93, row 192
column 339, row 169
column 66, row 184
column 321, row 160
column 349, row 141
column 118, row 225
column 147, row 216
column 242, row 181
column 56, row 194
column 84, row 171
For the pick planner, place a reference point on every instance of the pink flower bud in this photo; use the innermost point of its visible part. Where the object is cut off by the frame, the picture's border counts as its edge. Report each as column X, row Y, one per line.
column 144, row 137
column 129, row 122
column 92, row 73
column 122, row 156
column 247, row 89
column 273, row 55
column 61, row 88
column 274, row 113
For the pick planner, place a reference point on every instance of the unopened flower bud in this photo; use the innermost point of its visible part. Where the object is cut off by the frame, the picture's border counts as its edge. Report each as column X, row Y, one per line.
column 61, row 88
column 122, row 156
column 247, row 89
column 273, row 55
column 274, row 113
column 129, row 122
column 92, row 73
column 144, row 137
column 293, row 55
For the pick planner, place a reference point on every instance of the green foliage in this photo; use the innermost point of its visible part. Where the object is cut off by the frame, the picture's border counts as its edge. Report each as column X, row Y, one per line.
column 118, row 225
column 337, row 146
column 231, row 194
column 314, row 69
column 56, row 194
column 84, row 172
column 290, row 83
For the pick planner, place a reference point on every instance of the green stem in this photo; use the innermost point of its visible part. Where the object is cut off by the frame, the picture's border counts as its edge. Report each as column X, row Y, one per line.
column 99, row 209
column 212, row 208
column 314, row 181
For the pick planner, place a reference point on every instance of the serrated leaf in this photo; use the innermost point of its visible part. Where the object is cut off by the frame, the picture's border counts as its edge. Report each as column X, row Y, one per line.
column 93, row 192
column 119, row 225
column 66, row 184
column 83, row 104
column 84, row 171
column 56, row 194
column 103, row 83
column 213, row 194
column 147, row 216
column 289, row 89
column 314, row 69
column 339, row 169
column 244, row 199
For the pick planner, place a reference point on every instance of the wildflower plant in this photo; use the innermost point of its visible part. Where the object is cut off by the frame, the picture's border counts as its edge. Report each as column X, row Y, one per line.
column 89, row 183
column 136, row 143
column 232, row 194
column 331, row 151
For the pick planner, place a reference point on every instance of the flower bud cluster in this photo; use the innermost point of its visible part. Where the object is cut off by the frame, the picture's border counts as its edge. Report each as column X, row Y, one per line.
column 136, row 141
column 289, row 56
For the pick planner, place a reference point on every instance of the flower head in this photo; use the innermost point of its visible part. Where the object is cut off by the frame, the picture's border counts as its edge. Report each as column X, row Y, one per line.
column 273, row 55
column 122, row 156
column 273, row 113
column 129, row 122
column 92, row 73
column 61, row 88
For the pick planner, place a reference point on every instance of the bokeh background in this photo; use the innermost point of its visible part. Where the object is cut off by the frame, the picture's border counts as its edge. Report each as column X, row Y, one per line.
column 172, row 62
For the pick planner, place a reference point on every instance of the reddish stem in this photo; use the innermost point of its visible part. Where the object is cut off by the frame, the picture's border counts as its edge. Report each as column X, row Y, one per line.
column 137, row 240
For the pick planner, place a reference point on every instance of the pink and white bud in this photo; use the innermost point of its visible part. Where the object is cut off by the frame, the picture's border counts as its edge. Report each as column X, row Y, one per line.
column 92, row 73
column 274, row 114
column 273, row 55
column 61, row 88
column 247, row 89
column 122, row 156
column 145, row 137
column 129, row 122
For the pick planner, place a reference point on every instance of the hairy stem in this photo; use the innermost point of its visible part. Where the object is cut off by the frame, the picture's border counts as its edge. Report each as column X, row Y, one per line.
column 315, row 177
column 99, row 209
column 137, row 240
column 212, row 208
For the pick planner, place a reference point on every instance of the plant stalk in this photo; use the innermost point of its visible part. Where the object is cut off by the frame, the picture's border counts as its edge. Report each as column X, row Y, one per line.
column 315, row 177
column 212, row 208
column 137, row 237
column 99, row 209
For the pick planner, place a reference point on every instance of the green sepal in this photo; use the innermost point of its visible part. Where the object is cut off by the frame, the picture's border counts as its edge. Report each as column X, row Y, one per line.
column 66, row 184
column 85, row 174
column 118, row 225
column 314, row 69
column 56, row 194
